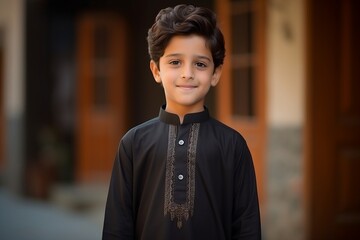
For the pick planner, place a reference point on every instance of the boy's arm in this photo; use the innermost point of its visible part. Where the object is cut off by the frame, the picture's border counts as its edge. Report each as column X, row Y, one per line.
column 246, row 214
column 118, row 221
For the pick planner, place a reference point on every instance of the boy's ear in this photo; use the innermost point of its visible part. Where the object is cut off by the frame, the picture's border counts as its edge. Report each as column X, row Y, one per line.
column 216, row 76
column 155, row 71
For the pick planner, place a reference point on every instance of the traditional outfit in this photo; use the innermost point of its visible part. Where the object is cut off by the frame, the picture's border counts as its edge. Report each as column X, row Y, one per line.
column 175, row 181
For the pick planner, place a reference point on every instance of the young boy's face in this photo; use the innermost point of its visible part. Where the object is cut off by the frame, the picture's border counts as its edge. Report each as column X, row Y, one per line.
column 186, row 71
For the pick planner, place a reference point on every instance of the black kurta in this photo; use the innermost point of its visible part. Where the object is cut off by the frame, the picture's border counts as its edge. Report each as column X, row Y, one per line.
column 173, row 181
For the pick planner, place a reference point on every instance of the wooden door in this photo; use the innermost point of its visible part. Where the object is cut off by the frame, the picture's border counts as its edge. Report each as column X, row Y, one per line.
column 241, row 91
column 101, row 93
column 333, row 119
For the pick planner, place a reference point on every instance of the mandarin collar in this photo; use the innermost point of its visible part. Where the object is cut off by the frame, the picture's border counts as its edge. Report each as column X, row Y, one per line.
column 174, row 119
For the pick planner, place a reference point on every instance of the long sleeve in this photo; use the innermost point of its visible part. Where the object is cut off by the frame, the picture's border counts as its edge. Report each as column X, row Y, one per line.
column 119, row 219
column 246, row 216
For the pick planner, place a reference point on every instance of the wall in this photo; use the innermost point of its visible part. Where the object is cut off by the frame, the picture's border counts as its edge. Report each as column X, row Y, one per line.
column 285, row 63
column 11, row 24
column 286, row 103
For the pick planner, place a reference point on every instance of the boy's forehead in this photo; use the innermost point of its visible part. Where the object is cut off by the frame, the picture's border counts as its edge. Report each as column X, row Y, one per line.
column 187, row 43
column 185, row 38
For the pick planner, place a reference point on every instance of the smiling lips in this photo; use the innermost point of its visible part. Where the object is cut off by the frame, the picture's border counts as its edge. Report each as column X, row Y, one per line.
column 186, row 86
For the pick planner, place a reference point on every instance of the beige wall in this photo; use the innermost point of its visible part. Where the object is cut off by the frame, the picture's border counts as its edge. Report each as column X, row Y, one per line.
column 286, row 118
column 12, row 32
column 285, row 63
column 11, row 25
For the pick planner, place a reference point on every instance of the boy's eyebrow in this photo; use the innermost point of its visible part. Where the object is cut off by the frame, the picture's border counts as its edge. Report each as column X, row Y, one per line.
column 179, row 54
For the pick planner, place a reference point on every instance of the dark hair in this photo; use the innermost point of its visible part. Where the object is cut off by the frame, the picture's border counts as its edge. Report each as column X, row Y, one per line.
column 185, row 20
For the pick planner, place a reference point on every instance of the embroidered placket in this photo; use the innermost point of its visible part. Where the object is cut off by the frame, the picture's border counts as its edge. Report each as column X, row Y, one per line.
column 180, row 212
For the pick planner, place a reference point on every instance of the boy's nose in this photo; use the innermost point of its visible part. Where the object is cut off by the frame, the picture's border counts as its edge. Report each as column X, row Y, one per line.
column 187, row 73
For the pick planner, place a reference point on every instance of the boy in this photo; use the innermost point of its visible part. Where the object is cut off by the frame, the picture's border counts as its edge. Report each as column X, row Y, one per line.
column 183, row 175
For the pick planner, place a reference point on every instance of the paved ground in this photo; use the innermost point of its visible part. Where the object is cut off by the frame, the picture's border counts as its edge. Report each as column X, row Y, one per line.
column 34, row 220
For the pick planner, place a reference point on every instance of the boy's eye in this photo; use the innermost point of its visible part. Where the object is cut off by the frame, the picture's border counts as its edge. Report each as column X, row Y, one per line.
column 200, row 64
column 174, row 62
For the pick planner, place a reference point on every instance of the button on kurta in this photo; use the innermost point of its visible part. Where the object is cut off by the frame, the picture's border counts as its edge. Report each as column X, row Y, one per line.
column 181, row 177
column 181, row 142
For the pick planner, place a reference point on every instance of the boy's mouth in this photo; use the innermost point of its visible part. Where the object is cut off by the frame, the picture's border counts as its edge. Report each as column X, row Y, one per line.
column 186, row 86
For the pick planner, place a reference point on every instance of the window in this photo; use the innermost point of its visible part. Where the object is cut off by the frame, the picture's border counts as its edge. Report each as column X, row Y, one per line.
column 242, row 54
column 100, row 68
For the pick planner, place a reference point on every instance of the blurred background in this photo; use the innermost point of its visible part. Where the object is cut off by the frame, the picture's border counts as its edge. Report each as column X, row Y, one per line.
column 74, row 77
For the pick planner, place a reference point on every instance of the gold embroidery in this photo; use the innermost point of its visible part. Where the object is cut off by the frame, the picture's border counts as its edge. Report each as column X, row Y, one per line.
column 185, row 210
